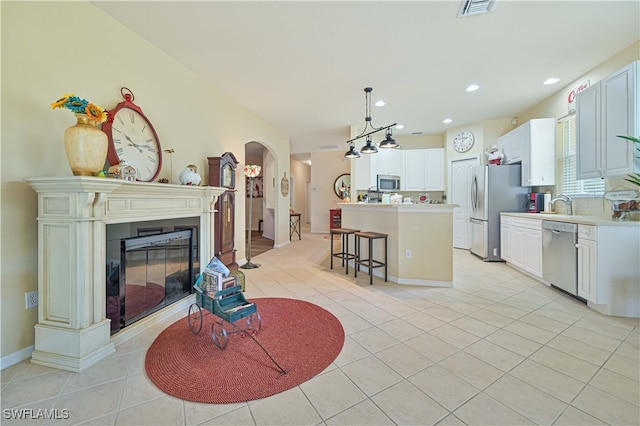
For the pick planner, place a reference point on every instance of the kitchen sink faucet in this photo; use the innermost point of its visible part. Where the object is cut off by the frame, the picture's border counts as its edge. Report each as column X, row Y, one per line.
column 565, row 199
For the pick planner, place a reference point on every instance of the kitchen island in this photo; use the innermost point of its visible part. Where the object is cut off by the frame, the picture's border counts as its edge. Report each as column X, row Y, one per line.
column 420, row 239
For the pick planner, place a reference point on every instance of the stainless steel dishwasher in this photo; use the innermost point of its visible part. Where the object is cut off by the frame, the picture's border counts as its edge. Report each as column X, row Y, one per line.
column 560, row 255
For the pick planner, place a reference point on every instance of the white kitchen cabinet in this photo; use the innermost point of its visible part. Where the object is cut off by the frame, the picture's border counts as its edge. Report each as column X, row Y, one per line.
column 523, row 241
column 389, row 161
column 434, row 165
column 603, row 111
column 533, row 145
column 539, row 152
column 423, row 170
column 608, row 268
column 587, row 262
column 414, row 173
column 365, row 169
column 511, row 145
column 505, row 236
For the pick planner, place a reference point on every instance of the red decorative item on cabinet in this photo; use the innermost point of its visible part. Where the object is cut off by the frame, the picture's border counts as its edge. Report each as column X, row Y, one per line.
column 222, row 173
column 335, row 218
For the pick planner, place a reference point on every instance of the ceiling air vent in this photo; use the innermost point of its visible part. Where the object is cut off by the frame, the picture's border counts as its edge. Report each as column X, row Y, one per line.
column 476, row 7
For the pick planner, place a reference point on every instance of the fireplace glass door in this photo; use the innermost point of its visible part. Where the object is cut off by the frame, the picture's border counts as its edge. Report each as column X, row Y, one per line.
column 153, row 271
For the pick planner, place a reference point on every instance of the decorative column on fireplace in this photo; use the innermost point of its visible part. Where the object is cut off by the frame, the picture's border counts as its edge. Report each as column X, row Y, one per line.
column 73, row 332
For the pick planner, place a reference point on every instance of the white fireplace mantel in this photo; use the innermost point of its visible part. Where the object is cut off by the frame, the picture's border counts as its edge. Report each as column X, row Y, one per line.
column 73, row 332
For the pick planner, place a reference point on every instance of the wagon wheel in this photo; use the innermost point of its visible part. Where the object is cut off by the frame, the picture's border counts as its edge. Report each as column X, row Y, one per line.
column 219, row 335
column 195, row 318
column 254, row 322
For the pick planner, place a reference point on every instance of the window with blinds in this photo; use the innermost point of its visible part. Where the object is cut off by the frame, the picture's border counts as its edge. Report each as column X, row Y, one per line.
column 570, row 185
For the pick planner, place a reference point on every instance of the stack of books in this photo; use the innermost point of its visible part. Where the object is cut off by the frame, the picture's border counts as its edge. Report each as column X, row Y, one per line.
column 215, row 277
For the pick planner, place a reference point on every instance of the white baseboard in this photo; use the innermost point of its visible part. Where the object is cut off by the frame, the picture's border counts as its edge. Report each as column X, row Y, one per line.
column 16, row 357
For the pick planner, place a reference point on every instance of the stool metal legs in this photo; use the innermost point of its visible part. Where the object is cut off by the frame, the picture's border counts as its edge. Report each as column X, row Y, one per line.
column 370, row 263
column 344, row 254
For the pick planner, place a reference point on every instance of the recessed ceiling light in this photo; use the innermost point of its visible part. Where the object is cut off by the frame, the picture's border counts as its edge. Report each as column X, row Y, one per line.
column 447, row 120
column 472, row 88
column 399, row 126
column 380, row 103
column 551, row 80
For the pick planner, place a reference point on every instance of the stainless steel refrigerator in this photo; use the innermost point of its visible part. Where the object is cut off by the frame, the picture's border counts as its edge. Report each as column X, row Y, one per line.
column 494, row 189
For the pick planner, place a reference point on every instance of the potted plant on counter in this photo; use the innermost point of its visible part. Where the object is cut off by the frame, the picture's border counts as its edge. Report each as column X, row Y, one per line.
column 635, row 177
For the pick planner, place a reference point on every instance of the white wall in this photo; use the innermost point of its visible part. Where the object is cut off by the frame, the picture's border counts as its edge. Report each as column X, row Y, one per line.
column 326, row 166
column 49, row 48
column 301, row 174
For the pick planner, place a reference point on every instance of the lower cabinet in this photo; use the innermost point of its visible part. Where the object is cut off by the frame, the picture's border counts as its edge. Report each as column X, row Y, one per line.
column 521, row 243
column 608, row 268
column 587, row 261
column 505, row 237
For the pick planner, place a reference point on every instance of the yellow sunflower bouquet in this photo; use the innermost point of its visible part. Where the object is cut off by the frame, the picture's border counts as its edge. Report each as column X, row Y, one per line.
column 78, row 105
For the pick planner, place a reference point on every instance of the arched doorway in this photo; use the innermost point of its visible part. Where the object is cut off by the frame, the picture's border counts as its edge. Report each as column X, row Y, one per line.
column 262, row 205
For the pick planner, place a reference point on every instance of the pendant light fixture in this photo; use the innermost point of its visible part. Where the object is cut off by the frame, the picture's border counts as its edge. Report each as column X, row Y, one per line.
column 389, row 142
column 352, row 153
column 370, row 129
column 369, row 147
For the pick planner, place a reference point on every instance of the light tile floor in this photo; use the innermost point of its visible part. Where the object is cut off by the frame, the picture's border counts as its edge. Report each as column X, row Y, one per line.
column 498, row 348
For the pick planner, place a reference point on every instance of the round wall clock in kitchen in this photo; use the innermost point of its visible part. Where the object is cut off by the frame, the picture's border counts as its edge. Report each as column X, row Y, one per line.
column 463, row 141
column 133, row 138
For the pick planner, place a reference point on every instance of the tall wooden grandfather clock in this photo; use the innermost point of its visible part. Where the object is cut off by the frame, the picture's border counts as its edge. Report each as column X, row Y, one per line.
column 222, row 173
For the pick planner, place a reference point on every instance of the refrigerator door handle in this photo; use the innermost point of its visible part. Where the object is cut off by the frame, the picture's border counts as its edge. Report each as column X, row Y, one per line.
column 474, row 192
column 472, row 220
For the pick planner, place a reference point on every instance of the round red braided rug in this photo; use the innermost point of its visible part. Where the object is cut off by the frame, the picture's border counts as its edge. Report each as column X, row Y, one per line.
column 301, row 337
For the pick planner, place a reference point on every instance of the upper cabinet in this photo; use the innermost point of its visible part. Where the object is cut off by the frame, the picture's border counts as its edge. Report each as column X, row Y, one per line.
column 423, row 170
column 386, row 162
column 366, row 169
column 389, row 161
column 511, row 145
column 419, row 169
column 533, row 144
column 603, row 111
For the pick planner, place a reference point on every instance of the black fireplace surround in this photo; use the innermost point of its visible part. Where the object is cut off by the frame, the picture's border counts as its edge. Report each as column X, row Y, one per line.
column 145, row 273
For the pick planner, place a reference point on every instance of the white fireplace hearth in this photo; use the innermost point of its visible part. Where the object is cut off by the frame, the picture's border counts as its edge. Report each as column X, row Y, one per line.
column 73, row 332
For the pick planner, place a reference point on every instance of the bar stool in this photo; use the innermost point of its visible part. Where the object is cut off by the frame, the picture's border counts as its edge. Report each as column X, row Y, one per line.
column 370, row 262
column 344, row 255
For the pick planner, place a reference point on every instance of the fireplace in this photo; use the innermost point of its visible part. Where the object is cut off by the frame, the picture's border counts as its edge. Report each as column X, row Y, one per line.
column 76, row 217
column 147, row 273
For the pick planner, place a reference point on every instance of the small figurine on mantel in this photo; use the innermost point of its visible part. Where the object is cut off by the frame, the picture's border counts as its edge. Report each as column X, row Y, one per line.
column 190, row 176
column 494, row 155
column 123, row 170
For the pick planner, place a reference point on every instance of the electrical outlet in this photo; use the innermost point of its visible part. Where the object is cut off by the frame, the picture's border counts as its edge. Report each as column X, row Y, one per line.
column 31, row 299
column 408, row 254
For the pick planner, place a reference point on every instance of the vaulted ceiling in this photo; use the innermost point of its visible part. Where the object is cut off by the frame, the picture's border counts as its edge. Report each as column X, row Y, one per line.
column 303, row 65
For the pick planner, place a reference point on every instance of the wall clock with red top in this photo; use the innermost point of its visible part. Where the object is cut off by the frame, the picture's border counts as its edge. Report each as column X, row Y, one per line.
column 133, row 138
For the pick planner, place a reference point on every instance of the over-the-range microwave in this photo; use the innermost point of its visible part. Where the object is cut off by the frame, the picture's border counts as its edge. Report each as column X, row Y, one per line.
column 388, row 183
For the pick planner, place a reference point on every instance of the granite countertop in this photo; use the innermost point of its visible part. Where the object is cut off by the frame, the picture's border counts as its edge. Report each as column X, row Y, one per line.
column 576, row 218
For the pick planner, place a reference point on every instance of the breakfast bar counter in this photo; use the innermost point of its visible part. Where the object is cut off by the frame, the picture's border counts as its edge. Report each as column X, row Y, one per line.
column 420, row 239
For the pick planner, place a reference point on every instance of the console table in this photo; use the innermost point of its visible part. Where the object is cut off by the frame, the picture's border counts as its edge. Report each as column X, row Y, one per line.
column 294, row 225
column 73, row 332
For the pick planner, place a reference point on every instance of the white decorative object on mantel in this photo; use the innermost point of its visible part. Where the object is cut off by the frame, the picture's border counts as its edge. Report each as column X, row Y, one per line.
column 73, row 332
